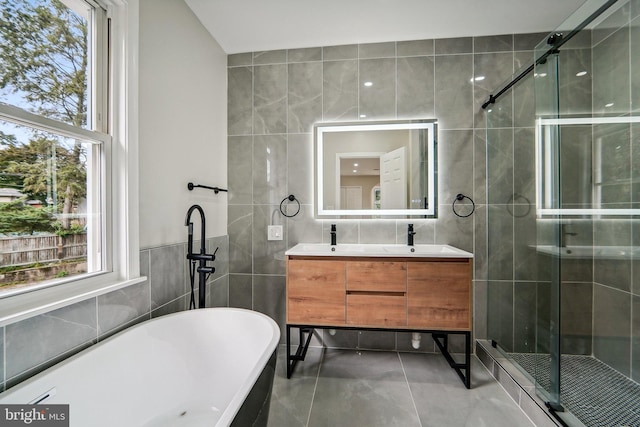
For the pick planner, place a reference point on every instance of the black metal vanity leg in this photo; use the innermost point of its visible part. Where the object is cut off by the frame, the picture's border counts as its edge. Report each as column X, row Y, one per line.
column 467, row 359
column 288, row 351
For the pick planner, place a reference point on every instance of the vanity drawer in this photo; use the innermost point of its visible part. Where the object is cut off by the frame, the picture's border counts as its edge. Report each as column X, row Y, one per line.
column 376, row 309
column 380, row 276
column 315, row 292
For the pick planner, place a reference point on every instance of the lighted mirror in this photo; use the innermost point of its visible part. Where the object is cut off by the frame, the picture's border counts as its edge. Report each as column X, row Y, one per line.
column 376, row 169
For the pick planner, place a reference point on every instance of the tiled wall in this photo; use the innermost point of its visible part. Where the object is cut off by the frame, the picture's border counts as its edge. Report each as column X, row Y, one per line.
column 32, row 345
column 276, row 96
column 600, row 297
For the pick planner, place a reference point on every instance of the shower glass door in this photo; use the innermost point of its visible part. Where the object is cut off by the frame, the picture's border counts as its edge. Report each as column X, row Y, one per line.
column 563, row 218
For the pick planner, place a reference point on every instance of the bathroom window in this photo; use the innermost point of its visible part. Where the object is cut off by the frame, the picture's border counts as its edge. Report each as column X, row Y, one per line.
column 55, row 145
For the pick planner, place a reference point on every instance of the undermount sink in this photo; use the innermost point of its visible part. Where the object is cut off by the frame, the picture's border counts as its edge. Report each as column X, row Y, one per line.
column 377, row 250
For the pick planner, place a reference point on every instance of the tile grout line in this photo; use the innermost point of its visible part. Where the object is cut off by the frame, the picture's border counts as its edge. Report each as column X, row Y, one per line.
column 315, row 386
column 404, row 372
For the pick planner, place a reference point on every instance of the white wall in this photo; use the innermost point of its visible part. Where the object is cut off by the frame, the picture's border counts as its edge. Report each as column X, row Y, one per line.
column 183, row 123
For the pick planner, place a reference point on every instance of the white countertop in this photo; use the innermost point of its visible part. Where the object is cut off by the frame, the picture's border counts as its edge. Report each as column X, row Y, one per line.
column 377, row 250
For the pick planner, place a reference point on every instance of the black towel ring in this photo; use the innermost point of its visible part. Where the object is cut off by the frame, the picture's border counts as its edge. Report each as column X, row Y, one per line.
column 460, row 197
column 291, row 198
column 512, row 199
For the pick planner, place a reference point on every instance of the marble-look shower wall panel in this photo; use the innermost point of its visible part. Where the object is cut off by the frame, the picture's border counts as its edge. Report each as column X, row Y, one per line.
column 240, row 238
column 118, row 308
column 269, row 298
column 611, row 88
column 613, row 272
column 269, row 168
column 455, row 155
column 168, row 274
column 500, row 243
column 240, row 169
column 340, row 90
column 270, row 99
column 524, row 101
column 576, row 312
column 305, row 96
column 612, row 328
column 300, row 167
column 240, row 101
column 575, row 88
column 500, row 312
column 39, row 340
column 415, row 86
column 454, row 102
column 415, row 48
column 489, row 71
column 500, row 166
column 524, row 317
column 377, row 86
column 240, row 293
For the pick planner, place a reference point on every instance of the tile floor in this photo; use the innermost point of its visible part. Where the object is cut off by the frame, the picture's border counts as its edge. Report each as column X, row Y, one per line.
column 335, row 388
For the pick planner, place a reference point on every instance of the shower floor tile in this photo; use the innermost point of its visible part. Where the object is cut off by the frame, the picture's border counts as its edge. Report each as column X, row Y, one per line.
column 595, row 393
column 335, row 388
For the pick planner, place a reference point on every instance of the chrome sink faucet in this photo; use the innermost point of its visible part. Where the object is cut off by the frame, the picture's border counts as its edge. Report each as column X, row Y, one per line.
column 410, row 234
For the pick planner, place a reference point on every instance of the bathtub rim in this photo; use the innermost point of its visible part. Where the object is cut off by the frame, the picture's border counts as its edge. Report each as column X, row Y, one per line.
column 239, row 396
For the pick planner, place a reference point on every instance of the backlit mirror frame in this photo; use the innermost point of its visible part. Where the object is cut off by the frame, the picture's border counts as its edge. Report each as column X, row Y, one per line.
column 320, row 130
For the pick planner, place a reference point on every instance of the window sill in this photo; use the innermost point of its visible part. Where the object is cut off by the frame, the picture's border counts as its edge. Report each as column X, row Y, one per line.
column 30, row 304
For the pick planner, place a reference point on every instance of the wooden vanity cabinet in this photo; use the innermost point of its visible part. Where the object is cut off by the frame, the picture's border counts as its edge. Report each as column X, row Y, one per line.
column 402, row 293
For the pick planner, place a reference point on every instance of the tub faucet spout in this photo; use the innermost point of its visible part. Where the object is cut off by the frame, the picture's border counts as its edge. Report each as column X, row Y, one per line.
column 202, row 257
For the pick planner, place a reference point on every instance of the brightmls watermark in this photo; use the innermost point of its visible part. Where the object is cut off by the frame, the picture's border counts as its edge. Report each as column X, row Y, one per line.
column 34, row 415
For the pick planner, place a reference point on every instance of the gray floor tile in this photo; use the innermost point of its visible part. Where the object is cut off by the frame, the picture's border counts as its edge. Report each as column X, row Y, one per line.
column 335, row 388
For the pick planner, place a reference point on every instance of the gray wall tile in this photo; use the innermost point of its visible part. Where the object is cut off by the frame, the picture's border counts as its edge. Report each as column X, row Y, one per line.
column 379, row 100
column 240, row 292
column 501, row 43
column 335, row 53
column 120, row 307
column 239, row 101
column 269, row 168
column 340, row 90
column 270, row 57
column 240, row 169
column 305, row 96
column 612, row 328
column 454, row 91
column 270, row 99
column 36, row 340
column 168, row 274
column 415, row 48
column 454, row 45
column 377, row 50
column 304, row 55
column 415, row 87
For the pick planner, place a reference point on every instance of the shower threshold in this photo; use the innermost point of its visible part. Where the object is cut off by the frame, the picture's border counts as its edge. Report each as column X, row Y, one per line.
column 592, row 391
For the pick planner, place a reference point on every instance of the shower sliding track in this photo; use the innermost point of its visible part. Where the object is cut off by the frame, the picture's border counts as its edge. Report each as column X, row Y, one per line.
column 441, row 339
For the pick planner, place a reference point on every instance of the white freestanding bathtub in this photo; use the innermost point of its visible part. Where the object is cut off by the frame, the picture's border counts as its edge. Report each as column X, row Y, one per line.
column 204, row 367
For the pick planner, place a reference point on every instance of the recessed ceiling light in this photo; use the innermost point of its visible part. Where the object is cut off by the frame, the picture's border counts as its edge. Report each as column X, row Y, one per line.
column 479, row 78
column 355, row 171
column 581, row 73
column 362, row 116
column 368, row 84
column 609, row 105
column 355, row 165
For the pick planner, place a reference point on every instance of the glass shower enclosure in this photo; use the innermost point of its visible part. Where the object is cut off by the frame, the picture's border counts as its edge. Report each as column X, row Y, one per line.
column 563, row 218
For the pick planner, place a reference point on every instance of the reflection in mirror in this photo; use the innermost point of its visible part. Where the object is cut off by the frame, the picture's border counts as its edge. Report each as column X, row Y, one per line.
column 376, row 169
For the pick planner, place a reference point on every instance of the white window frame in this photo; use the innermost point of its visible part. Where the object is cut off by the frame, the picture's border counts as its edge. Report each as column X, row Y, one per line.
column 121, row 174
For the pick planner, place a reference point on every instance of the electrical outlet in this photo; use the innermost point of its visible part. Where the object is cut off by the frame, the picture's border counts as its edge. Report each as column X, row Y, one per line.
column 274, row 232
